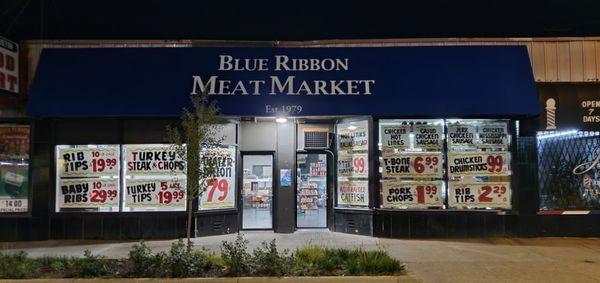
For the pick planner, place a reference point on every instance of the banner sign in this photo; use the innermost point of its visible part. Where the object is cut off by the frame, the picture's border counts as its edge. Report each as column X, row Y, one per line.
column 490, row 163
column 221, row 190
column 493, row 135
column 412, row 164
column 462, row 135
column 152, row 160
column 155, row 193
column 84, row 193
column 88, row 162
column 570, row 108
column 354, row 193
column 395, row 136
column 14, row 188
column 428, row 136
column 9, row 66
column 14, row 142
column 353, row 165
column 352, row 139
column 484, row 194
column 412, row 194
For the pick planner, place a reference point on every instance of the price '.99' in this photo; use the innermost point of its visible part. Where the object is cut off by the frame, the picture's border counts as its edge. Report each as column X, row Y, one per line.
column 359, row 165
column 430, row 191
column 430, row 161
column 495, row 163
column 100, row 164
column 99, row 195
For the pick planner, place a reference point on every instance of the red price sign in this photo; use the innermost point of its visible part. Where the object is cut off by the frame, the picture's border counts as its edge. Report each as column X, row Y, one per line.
column 99, row 163
column 220, row 185
column 479, row 164
column 100, row 193
column 412, row 194
column 353, row 165
column 412, row 164
column 360, row 164
column 484, row 194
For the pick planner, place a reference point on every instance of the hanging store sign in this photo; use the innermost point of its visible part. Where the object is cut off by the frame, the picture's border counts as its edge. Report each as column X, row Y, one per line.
column 221, row 189
column 491, row 163
column 9, row 66
column 84, row 193
column 88, row 162
column 155, row 193
column 412, row 164
column 412, row 194
column 484, row 194
column 353, row 165
column 354, row 193
column 152, row 160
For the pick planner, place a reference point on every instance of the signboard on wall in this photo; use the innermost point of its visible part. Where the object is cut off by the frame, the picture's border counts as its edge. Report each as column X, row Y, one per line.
column 353, row 165
column 9, row 66
column 569, row 107
column 412, row 194
column 352, row 137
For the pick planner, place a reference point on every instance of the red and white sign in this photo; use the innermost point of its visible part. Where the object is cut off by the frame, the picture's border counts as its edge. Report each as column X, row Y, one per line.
column 87, row 162
column 412, row 164
column 484, row 194
column 84, row 193
column 488, row 163
column 353, row 165
column 155, row 193
column 9, row 66
column 152, row 159
column 412, row 194
column 354, row 193
column 221, row 190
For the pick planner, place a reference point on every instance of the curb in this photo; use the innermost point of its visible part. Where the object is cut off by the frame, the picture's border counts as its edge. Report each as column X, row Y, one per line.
column 324, row 279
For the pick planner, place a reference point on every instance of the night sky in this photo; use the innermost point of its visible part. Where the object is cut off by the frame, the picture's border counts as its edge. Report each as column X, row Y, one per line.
column 294, row 20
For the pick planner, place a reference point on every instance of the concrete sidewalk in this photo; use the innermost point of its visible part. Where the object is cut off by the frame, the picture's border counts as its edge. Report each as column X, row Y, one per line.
column 446, row 260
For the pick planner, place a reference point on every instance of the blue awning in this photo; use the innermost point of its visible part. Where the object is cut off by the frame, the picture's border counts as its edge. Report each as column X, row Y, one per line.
column 444, row 81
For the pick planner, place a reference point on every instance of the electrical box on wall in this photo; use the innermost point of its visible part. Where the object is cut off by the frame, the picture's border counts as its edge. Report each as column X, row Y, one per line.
column 316, row 138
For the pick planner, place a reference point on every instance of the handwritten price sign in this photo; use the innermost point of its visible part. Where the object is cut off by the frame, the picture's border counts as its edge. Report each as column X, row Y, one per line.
column 485, row 194
column 82, row 193
column 353, row 165
column 88, row 162
column 412, row 194
column 425, row 164
column 493, row 163
column 152, row 193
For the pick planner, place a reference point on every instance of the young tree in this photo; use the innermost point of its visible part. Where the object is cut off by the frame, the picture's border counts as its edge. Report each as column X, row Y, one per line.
column 198, row 131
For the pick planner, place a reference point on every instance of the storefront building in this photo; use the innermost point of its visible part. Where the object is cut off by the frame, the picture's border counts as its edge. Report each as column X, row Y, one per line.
column 371, row 138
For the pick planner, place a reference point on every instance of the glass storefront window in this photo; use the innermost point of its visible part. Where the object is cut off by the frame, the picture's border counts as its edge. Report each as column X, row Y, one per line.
column 479, row 163
column 311, row 197
column 568, row 170
column 153, row 178
column 87, row 178
column 257, row 193
column 411, row 163
column 352, row 188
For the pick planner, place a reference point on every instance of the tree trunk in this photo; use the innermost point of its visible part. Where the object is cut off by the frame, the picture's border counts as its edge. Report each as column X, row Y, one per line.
column 189, row 223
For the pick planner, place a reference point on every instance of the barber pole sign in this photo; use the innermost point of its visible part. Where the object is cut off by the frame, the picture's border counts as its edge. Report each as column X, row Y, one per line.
column 9, row 66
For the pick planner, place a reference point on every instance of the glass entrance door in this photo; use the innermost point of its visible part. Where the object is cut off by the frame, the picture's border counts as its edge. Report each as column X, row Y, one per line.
column 311, row 192
column 257, row 193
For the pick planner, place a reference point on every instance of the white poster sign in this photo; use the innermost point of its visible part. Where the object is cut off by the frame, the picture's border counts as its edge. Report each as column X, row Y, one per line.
column 412, row 194
column 484, row 194
column 88, row 162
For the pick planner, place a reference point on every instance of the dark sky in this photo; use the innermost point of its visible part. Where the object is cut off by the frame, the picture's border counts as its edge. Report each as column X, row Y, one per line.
column 295, row 20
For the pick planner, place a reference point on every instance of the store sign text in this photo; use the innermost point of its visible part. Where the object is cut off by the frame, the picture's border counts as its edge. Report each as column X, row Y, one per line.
column 275, row 84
